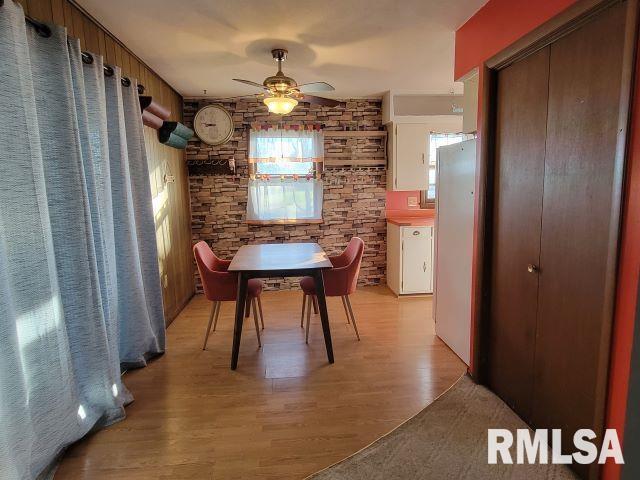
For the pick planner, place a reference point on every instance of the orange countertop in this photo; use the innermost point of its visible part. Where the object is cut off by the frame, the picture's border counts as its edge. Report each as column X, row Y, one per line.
column 406, row 221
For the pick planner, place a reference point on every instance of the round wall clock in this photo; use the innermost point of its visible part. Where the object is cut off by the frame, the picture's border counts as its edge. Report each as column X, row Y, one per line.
column 213, row 125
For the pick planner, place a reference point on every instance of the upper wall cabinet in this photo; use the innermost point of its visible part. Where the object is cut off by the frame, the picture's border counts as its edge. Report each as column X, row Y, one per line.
column 470, row 103
column 408, row 151
column 408, row 156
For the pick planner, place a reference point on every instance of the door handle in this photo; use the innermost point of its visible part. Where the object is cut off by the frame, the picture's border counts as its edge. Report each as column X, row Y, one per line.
column 424, row 266
column 531, row 268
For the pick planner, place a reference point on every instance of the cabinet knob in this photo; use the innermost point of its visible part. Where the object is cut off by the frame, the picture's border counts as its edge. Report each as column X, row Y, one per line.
column 531, row 268
column 416, row 232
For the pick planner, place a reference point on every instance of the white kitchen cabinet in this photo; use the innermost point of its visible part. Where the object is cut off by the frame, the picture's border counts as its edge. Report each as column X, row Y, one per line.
column 470, row 103
column 409, row 259
column 408, row 152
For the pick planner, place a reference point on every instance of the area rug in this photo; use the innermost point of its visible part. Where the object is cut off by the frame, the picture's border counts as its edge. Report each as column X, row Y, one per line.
column 446, row 440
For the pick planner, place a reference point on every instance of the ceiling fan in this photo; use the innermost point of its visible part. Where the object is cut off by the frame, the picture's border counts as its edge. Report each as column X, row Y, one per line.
column 283, row 93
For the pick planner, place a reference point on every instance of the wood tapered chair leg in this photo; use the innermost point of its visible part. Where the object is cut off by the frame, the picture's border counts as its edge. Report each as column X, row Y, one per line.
column 217, row 314
column 255, row 320
column 344, row 304
column 214, row 307
column 261, row 314
column 309, row 302
column 315, row 304
column 304, row 301
column 353, row 318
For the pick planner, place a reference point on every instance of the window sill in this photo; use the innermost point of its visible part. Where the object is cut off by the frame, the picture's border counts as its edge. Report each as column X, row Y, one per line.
column 285, row 222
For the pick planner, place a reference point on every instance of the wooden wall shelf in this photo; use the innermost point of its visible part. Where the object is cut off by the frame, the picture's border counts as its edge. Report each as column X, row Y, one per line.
column 355, row 133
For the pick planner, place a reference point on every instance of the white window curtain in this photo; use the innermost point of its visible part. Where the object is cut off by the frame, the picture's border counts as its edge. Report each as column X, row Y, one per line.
column 285, row 184
column 285, row 200
column 79, row 284
column 286, row 145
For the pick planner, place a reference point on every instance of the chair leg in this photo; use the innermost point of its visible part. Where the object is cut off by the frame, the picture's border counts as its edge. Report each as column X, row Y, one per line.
column 353, row 318
column 247, row 307
column 315, row 305
column 304, row 301
column 309, row 302
column 215, row 317
column 261, row 314
column 255, row 320
column 214, row 307
column 344, row 304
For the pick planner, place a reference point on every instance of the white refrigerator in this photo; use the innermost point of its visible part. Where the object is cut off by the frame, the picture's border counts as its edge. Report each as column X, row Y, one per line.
column 455, row 185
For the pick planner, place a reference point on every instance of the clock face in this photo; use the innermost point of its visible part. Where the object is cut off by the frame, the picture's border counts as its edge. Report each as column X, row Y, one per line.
column 213, row 124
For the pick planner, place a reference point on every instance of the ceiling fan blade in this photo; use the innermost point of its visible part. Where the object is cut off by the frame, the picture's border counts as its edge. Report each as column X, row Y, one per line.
column 325, row 102
column 315, row 87
column 248, row 96
column 253, row 84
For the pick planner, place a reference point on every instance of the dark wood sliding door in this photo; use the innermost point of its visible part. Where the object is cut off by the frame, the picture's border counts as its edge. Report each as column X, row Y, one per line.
column 521, row 122
column 572, row 350
column 555, row 211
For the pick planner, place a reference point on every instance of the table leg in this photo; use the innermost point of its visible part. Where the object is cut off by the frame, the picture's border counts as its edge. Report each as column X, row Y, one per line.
column 237, row 329
column 324, row 315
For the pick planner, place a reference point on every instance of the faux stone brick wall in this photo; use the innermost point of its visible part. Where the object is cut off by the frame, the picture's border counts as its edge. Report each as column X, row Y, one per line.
column 354, row 197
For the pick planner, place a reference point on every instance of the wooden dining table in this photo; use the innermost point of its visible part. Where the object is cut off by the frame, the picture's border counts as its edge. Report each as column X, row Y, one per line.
column 279, row 260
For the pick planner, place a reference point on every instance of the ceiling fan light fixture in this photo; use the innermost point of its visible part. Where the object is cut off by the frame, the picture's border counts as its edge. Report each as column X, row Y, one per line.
column 280, row 105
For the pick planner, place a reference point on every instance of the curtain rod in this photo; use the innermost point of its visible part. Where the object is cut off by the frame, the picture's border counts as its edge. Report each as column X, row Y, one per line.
column 43, row 30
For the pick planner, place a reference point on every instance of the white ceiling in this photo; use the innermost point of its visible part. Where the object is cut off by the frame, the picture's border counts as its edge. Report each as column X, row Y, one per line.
column 361, row 47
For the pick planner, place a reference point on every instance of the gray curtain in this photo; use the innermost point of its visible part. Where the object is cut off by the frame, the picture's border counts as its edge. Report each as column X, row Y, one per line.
column 79, row 284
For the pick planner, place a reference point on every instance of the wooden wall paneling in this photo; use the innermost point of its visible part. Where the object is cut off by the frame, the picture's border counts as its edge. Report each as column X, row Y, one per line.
column 118, row 54
column 102, row 46
column 521, row 121
column 183, row 243
column 135, row 69
column 90, row 36
column 178, row 242
column 41, row 10
column 145, row 76
column 68, row 18
column 78, row 25
column 187, row 261
column 126, row 63
column 163, row 92
column 142, row 77
column 57, row 11
column 148, row 78
column 110, row 50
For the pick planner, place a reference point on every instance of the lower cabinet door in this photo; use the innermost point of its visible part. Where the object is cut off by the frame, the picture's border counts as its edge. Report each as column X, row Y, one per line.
column 417, row 260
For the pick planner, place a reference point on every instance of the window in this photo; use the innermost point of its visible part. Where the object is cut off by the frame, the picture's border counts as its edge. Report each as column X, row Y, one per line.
column 436, row 140
column 284, row 168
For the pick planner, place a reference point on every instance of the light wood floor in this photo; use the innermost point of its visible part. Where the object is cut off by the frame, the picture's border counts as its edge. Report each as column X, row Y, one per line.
column 285, row 412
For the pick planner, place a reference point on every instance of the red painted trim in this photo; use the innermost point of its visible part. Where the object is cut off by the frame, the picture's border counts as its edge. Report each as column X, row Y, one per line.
column 497, row 25
column 628, row 277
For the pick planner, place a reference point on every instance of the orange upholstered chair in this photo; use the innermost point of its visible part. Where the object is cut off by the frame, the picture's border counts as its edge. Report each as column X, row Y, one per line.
column 339, row 281
column 220, row 285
